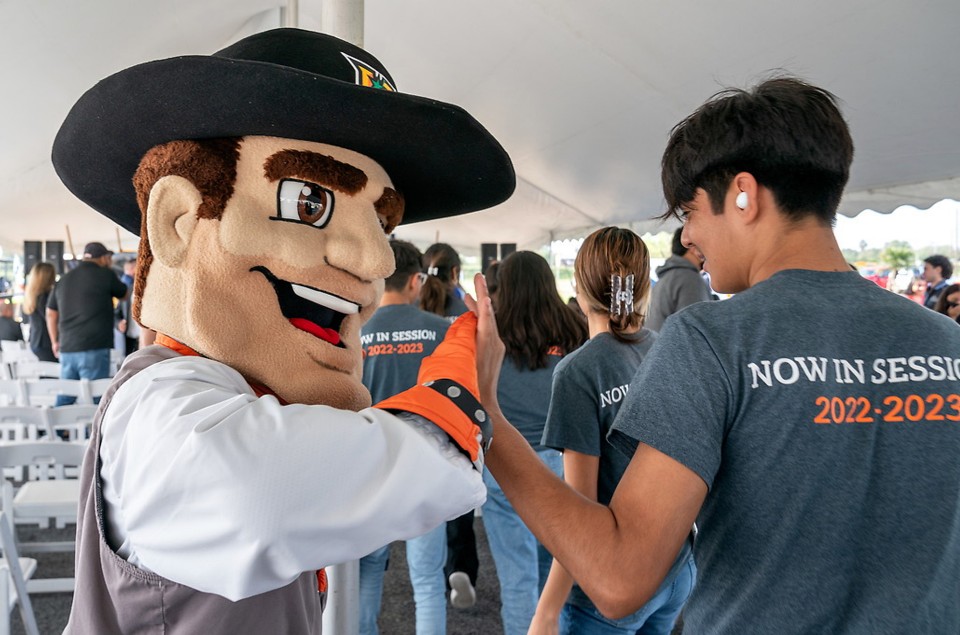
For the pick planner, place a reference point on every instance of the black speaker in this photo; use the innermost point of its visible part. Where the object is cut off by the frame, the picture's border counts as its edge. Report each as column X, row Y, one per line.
column 32, row 254
column 488, row 253
column 54, row 254
column 506, row 249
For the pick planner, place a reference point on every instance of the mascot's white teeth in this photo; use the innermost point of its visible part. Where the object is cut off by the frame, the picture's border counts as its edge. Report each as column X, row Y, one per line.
column 325, row 299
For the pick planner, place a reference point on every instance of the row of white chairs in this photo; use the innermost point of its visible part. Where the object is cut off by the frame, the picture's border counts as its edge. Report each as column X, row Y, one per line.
column 44, row 392
column 18, row 361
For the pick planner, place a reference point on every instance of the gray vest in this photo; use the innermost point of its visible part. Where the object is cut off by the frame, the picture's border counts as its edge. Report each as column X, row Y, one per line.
column 114, row 596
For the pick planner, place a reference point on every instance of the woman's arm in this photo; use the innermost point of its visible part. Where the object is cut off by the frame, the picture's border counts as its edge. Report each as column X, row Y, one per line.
column 580, row 472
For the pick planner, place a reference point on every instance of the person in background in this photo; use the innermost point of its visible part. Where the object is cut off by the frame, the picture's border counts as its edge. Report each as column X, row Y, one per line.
column 538, row 330
column 587, row 393
column 679, row 283
column 937, row 270
column 80, row 316
column 441, row 295
column 441, row 292
column 40, row 283
column 9, row 327
column 394, row 341
column 127, row 330
column 949, row 302
column 490, row 276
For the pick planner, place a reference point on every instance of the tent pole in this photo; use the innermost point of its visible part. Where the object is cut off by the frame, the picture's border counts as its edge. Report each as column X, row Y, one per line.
column 290, row 14
column 343, row 19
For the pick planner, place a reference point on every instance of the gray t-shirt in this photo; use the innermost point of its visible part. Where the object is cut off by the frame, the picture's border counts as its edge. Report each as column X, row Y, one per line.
column 589, row 386
column 394, row 341
column 823, row 413
column 524, row 396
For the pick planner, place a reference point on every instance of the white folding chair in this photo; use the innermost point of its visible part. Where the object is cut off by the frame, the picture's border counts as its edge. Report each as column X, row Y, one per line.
column 15, row 570
column 96, row 388
column 12, row 354
column 21, row 423
column 76, row 420
column 48, row 493
column 14, row 431
column 44, row 392
column 33, row 369
column 56, row 498
column 12, row 392
column 15, row 347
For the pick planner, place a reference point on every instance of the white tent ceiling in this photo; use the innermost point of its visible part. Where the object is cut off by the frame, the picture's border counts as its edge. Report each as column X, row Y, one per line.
column 581, row 94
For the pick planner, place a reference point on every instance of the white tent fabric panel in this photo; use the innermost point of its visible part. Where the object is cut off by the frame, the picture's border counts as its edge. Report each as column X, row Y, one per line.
column 581, row 94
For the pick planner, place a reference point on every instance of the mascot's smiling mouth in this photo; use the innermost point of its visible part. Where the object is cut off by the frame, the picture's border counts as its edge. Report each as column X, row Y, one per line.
column 316, row 312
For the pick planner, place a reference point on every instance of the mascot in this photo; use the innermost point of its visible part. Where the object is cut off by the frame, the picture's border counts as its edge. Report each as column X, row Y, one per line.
column 238, row 456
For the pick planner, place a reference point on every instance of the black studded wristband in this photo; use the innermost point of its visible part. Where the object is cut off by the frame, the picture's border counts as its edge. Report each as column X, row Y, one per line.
column 468, row 404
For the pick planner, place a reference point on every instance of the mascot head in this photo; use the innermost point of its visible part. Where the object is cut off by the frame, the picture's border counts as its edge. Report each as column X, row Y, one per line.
column 264, row 181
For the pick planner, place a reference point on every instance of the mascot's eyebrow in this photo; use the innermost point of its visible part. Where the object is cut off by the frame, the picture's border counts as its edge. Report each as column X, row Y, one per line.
column 390, row 205
column 316, row 167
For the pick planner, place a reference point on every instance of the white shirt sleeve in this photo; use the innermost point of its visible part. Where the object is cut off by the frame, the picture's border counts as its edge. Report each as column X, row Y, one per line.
column 212, row 487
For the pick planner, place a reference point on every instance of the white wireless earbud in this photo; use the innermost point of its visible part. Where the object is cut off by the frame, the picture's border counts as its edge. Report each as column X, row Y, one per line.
column 742, row 200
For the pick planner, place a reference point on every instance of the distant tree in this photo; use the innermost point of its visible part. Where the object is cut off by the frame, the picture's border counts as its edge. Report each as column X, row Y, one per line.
column 898, row 254
column 946, row 250
column 659, row 244
column 851, row 255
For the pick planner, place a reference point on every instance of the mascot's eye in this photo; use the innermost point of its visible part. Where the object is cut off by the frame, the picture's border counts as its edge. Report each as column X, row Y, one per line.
column 304, row 202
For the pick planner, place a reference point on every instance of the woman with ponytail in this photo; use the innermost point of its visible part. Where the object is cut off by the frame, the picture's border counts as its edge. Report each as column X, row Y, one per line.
column 441, row 293
column 538, row 329
column 612, row 275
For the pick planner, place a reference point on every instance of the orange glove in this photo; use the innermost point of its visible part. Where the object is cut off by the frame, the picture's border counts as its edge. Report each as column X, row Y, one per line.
column 447, row 390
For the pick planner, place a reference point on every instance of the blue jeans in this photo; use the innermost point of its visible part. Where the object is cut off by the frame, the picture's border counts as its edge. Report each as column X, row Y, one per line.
column 521, row 561
column 426, row 555
column 656, row 617
column 92, row 364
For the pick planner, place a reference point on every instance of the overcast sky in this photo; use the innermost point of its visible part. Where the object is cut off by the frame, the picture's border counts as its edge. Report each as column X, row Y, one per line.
column 938, row 225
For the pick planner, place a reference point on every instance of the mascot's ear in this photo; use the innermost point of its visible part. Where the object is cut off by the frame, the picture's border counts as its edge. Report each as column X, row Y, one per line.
column 171, row 218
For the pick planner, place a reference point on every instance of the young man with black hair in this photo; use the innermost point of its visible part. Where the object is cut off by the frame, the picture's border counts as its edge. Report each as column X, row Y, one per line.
column 937, row 270
column 679, row 283
column 810, row 425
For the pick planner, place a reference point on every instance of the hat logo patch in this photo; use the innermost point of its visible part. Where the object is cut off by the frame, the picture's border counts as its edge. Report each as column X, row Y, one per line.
column 368, row 76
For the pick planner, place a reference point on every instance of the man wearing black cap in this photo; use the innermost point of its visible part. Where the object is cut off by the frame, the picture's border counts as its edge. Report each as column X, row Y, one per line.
column 80, row 316
column 237, row 457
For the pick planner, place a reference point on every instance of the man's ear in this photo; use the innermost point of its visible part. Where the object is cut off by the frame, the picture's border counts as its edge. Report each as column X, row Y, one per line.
column 745, row 186
column 171, row 218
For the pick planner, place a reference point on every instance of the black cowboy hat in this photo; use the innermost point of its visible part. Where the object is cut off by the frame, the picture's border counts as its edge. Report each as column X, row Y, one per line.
column 281, row 83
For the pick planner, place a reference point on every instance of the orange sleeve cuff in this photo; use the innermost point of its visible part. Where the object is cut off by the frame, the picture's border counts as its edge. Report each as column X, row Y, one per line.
column 432, row 405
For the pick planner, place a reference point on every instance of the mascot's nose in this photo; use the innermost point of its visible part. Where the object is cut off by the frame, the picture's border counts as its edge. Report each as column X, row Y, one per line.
column 362, row 249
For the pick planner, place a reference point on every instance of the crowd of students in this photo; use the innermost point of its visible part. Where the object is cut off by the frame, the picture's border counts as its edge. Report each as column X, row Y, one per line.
column 767, row 458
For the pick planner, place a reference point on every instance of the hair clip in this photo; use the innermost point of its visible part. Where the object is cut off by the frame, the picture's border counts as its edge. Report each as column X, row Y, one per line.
column 621, row 296
column 433, row 271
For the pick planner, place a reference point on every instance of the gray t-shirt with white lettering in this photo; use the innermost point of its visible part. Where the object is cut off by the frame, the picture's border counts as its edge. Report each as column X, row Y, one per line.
column 589, row 386
column 823, row 413
column 394, row 342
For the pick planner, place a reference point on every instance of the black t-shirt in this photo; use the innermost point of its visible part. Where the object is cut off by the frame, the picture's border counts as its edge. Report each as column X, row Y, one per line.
column 84, row 300
column 39, row 335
